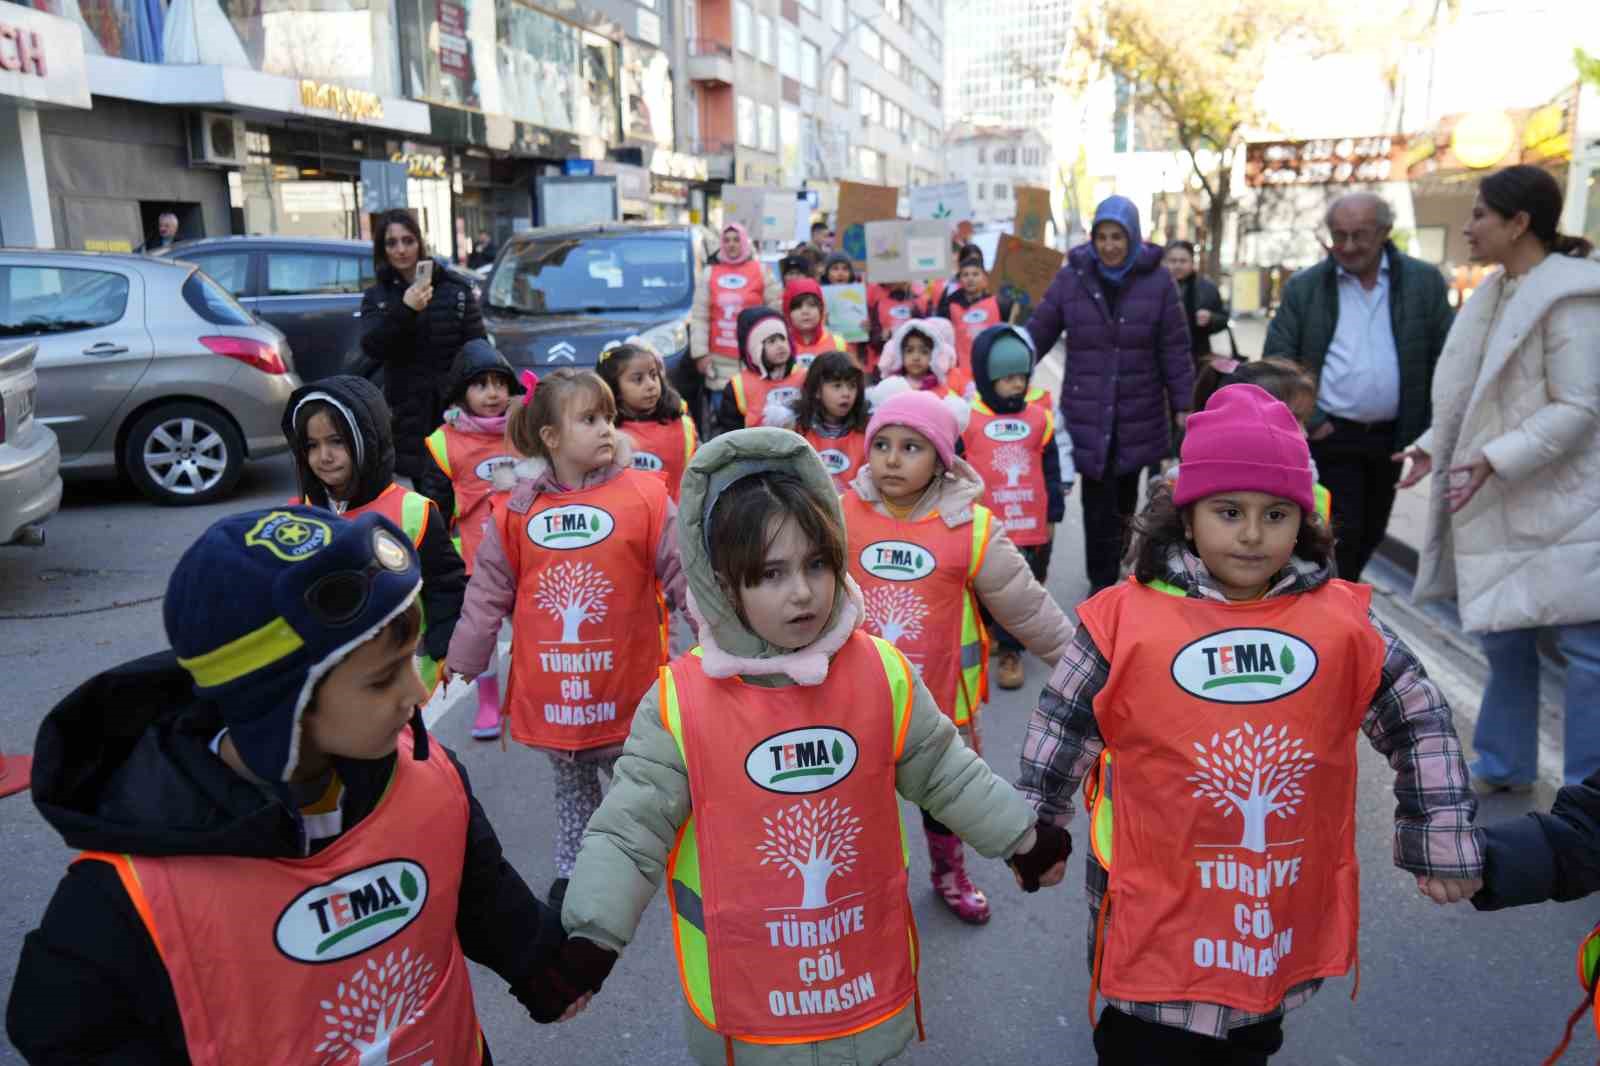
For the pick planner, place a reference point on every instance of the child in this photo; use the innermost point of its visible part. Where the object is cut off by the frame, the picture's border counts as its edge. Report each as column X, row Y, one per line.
column 1011, row 440
column 920, row 351
column 831, row 414
column 806, row 312
column 769, row 374
column 578, row 557
column 339, row 430
column 707, row 791
column 244, row 799
column 888, row 307
column 650, row 412
column 797, row 266
column 838, row 270
column 972, row 308
column 469, row 469
column 1227, row 683
column 916, row 496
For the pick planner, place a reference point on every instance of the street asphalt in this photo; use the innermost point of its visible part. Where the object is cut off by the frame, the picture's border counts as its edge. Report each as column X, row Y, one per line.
column 1439, row 986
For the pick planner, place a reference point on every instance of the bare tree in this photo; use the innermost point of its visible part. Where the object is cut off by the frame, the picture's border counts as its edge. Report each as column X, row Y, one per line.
column 1257, row 773
column 814, row 840
column 575, row 593
column 375, row 1003
column 896, row 610
column 1012, row 461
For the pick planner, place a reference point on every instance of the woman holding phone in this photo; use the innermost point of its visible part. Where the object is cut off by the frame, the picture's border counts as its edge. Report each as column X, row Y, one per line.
column 417, row 316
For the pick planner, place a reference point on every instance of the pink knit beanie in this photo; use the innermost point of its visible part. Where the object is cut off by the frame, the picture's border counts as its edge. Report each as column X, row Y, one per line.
column 1244, row 441
column 923, row 412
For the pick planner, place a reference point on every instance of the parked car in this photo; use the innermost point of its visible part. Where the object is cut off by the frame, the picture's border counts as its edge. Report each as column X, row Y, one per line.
column 30, row 458
column 310, row 288
column 147, row 367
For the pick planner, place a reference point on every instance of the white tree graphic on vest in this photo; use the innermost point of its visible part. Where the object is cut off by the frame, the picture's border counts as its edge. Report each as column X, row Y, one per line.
column 376, row 1002
column 1258, row 773
column 814, row 840
column 896, row 611
column 574, row 593
column 1012, row 461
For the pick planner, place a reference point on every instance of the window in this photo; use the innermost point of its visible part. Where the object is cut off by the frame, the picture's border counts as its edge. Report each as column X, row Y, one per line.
column 744, row 19
column 891, row 59
column 766, row 42
column 871, row 164
column 810, row 62
column 40, row 300
column 211, row 302
column 893, row 116
column 789, row 51
column 868, row 41
column 837, row 15
column 314, row 274
column 871, row 106
column 231, row 270
column 839, row 84
column 982, row 154
column 748, row 135
column 622, row 273
column 809, row 5
column 769, row 128
column 980, row 190
column 894, row 8
column 999, row 192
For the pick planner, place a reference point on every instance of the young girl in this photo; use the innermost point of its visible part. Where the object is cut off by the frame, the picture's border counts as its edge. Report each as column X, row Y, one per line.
column 888, row 307
column 769, row 371
column 921, row 352
column 928, row 556
column 650, row 412
column 761, row 776
column 838, row 270
column 1214, row 702
column 831, row 414
column 339, row 431
column 806, row 312
column 579, row 556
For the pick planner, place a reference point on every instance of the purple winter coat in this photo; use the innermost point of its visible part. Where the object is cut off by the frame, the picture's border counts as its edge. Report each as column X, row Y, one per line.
column 1124, row 372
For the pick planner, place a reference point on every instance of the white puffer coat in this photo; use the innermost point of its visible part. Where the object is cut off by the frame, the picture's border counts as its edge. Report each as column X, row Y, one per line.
column 1526, row 550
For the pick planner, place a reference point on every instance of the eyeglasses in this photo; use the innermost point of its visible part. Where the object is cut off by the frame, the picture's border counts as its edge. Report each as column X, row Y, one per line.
column 337, row 599
column 1339, row 237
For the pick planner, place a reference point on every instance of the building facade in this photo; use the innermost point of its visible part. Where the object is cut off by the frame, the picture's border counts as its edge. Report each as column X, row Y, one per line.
column 993, row 161
column 1005, row 59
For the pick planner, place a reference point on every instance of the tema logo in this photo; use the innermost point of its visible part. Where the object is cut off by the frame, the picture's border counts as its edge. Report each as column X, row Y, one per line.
column 834, row 461
column 1006, row 429
column 897, row 560
column 784, row 394
column 290, row 537
column 356, row 912
column 802, row 760
column 647, row 461
column 900, row 311
column 576, row 525
column 804, row 360
column 733, row 281
column 1244, row 666
column 485, row 470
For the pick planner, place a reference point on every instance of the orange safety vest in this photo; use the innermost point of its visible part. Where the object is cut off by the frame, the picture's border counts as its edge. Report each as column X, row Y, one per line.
column 841, row 456
column 355, row 946
column 788, row 881
column 1233, row 728
column 733, row 288
column 663, row 449
column 751, row 392
column 916, row 580
column 590, row 625
column 469, row 460
column 968, row 322
column 805, row 354
column 1008, row 451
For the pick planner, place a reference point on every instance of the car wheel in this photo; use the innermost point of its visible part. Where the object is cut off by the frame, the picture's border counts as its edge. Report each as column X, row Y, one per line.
column 183, row 454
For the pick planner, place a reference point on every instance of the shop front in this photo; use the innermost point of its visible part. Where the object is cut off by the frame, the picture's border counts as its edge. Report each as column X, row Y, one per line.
column 41, row 71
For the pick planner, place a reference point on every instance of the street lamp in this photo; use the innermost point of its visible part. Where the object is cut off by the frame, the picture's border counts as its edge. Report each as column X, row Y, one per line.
column 853, row 22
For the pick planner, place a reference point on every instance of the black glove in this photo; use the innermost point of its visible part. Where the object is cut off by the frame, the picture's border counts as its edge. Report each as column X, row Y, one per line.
column 565, row 975
column 1052, row 845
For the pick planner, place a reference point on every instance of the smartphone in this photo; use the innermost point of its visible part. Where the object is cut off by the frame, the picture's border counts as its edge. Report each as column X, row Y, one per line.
column 425, row 272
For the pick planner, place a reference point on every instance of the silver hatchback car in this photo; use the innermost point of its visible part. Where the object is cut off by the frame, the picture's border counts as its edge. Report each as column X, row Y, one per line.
column 147, row 368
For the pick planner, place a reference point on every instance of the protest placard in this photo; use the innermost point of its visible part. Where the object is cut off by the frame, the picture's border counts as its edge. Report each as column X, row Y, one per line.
column 907, row 251
column 859, row 204
column 948, row 201
column 847, row 310
column 1025, row 266
column 1033, row 212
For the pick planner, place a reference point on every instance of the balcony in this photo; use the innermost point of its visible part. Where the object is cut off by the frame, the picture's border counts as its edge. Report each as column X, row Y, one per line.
column 718, row 155
column 710, row 62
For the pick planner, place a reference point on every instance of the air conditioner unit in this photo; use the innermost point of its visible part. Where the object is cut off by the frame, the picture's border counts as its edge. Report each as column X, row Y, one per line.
column 216, row 140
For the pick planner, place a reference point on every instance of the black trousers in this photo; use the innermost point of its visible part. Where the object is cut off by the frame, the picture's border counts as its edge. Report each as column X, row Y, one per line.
column 1038, row 556
column 1353, row 464
column 1123, row 1040
column 1107, row 506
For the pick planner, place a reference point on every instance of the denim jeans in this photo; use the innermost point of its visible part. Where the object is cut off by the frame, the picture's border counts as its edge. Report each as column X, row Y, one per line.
column 1507, row 736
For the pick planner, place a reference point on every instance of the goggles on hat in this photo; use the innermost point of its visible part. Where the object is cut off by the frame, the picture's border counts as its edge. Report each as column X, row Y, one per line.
column 338, row 598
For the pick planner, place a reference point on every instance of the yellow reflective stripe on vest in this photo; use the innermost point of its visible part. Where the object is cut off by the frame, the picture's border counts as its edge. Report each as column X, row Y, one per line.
column 737, row 381
column 683, row 879
column 1323, row 499
column 440, row 449
column 414, row 523
column 902, row 690
column 1165, row 587
column 973, row 688
column 688, row 438
column 1099, row 796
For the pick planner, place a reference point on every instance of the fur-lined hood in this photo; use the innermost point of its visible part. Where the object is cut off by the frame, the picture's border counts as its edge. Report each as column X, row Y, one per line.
column 944, row 347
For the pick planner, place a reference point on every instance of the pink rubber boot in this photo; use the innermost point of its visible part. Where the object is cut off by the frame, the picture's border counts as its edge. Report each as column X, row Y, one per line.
column 486, row 726
column 948, row 856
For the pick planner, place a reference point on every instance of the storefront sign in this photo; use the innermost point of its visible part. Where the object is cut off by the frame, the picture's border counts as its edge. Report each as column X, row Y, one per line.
column 41, row 58
column 1342, row 161
column 1480, row 140
column 670, row 164
column 422, row 164
column 353, row 105
column 454, row 58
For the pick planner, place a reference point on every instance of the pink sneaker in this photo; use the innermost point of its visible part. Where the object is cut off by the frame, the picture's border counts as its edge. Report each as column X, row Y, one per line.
column 486, row 726
column 949, row 875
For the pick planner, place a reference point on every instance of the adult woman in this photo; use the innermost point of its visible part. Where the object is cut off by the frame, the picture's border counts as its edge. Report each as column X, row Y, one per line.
column 732, row 281
column 1514, row 454
column 414, row 329
column 1128, row 366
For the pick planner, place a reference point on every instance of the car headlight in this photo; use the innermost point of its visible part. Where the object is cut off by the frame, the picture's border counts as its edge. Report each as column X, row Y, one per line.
column 669, row 338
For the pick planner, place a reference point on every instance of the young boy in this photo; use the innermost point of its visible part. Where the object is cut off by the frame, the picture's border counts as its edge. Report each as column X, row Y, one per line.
column 278, row 865
column 769, row 371
column 971, row 307
column 806, row 313
column 1012, row 442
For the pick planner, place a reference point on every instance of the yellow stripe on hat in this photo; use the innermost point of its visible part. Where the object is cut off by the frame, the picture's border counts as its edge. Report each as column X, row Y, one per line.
column 247, row 654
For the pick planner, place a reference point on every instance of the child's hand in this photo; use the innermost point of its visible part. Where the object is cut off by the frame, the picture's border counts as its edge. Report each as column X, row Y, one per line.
column 577, row 1008
column 1043, row 863
column 1449, row 889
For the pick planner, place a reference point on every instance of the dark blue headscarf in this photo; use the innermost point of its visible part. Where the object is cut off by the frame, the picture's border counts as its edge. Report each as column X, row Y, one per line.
column 1118, row 209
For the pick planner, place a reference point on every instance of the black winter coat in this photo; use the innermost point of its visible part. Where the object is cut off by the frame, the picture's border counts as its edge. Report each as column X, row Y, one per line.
column 1199, row 294
column 1541, row 857
column 124, row 765
column 416, row 350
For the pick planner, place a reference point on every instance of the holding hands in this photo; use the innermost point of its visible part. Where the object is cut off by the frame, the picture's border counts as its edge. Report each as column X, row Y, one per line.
column 1042, row 863
column 1449, row 889
column 562, row 987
